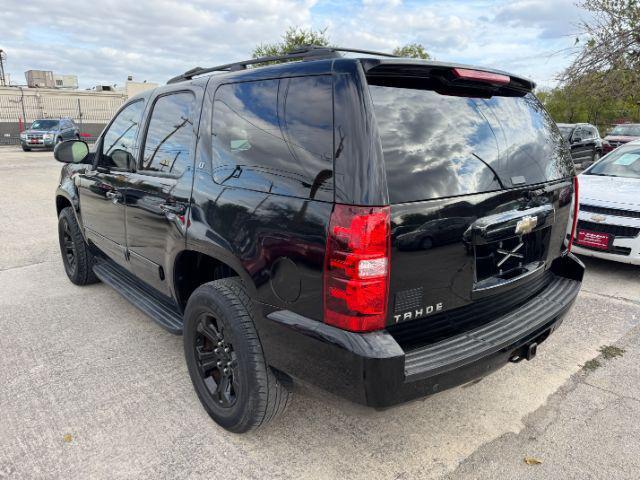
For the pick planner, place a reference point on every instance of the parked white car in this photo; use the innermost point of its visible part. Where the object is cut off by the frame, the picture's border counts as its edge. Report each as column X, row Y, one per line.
column 609, row 207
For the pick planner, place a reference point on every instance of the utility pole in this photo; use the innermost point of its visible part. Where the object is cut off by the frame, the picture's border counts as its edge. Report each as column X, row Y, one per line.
column 3, row 58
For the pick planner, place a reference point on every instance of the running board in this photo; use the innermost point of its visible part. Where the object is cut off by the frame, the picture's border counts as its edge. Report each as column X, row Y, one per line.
column 161, row 310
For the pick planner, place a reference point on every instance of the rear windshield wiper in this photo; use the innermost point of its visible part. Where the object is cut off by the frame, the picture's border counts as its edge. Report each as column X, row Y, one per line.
column 492, row 171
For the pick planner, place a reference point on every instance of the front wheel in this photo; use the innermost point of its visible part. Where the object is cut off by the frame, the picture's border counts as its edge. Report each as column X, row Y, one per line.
column 224, row 357
column 25, row 149
column 78, row 261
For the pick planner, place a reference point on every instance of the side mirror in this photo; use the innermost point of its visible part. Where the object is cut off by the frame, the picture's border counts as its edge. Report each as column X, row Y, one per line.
column 576, row 140
column 71, row 151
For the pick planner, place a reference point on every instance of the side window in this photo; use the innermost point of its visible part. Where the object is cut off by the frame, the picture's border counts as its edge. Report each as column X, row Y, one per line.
column 581, row 133
column 170, row 140
column 275, row 136
column 118, row 141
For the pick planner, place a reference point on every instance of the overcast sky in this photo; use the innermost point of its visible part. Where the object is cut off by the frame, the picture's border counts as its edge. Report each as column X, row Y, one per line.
column 106, row 40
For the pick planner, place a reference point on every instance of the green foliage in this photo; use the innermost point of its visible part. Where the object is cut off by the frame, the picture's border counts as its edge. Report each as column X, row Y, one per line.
column 293, row 38
column 296, row 37
column 412, row 50
column 583, row 101
column 602, row 84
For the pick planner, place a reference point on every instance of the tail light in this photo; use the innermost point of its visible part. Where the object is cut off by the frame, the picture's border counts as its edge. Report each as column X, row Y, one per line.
column 356, row 274
column 576, row 209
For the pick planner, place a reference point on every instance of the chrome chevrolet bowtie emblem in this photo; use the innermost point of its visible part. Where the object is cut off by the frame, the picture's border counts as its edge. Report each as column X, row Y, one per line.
column 598, row 218
column 510, row 253
column 526, row 225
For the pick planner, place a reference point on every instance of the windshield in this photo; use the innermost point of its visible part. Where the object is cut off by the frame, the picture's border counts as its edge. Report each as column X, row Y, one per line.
column 44, row 124
column 440, row 145
column 565, row 131
column 622, row 162
column 626, row 130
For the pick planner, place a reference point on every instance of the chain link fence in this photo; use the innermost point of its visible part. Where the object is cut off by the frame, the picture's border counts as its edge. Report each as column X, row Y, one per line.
column 19, row 107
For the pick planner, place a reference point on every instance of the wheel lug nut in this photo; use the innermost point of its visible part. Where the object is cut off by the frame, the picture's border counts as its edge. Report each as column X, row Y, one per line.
column 219, row 363
column 226, row 349
column 226, row 370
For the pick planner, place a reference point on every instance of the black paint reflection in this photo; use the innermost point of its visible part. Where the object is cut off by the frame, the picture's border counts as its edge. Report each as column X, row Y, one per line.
column 434, row 233
column 275, row 136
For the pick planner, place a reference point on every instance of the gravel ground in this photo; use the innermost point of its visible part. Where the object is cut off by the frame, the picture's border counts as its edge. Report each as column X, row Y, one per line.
column 91, row 388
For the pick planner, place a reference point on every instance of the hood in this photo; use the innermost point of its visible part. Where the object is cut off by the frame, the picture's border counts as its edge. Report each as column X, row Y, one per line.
column 615, row 191
column 620, row 138
column 38, row 132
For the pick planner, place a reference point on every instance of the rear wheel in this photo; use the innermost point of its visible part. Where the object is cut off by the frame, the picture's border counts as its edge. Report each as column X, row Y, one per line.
column 426, row 243
column 78, row 261
column 224, row 357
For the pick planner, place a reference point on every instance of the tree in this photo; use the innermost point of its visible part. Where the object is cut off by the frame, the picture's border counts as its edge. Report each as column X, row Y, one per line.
column 578, row 102
column 292, row 38
column 613, row 37
column 412, row 50
column 296, row 37
column 602, row 84
column 608, row 60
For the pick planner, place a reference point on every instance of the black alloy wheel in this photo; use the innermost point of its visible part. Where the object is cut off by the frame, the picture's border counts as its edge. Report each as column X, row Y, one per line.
column 68, row 248
column 217, row 362
column 235, row 385
column 78, row 261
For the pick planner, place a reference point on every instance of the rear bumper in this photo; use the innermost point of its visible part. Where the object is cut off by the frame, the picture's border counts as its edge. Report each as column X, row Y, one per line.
column 372, row 369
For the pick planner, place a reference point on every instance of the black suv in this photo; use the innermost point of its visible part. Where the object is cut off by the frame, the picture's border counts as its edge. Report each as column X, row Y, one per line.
column 383, row 228
column 584, row 141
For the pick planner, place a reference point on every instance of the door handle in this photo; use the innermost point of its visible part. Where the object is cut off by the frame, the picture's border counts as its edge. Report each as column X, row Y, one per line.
column 173, row 208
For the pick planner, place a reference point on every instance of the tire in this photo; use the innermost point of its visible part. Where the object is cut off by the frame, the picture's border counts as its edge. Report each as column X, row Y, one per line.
column 224, row 356
column 78, row 261
column 426, row 243
column 25, row 149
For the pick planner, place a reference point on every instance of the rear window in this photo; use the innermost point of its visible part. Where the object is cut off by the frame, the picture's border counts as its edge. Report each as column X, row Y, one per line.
column 437, row 145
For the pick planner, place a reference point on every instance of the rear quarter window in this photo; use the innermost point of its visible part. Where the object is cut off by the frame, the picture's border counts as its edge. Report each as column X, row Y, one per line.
column 437, row 145
column 275, row 136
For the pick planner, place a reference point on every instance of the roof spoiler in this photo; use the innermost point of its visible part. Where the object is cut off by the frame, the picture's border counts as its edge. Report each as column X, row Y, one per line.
column 405, row 67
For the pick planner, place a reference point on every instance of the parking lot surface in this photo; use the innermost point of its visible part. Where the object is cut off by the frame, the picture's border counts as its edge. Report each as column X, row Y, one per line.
column 91, row 388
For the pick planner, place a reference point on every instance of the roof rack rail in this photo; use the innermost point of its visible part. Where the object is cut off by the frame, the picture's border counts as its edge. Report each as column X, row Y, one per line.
column 305, row 52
